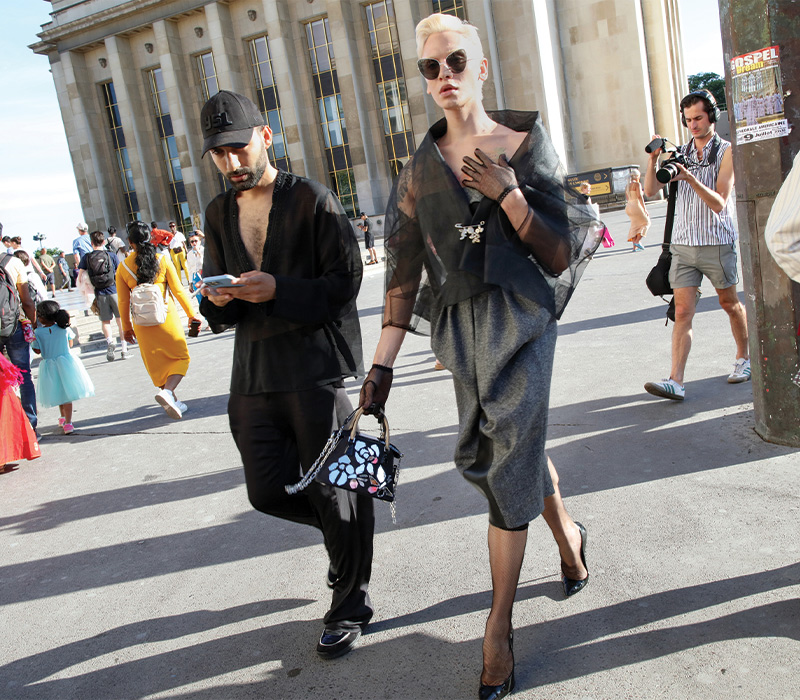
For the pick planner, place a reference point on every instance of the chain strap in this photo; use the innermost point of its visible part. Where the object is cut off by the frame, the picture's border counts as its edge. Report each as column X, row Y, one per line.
column 330, row 446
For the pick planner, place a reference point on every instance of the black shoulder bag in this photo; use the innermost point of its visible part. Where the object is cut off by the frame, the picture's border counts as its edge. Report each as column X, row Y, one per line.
column 658, row 279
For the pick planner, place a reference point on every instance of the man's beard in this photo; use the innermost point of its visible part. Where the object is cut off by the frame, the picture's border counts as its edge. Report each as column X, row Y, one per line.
column 254, row 175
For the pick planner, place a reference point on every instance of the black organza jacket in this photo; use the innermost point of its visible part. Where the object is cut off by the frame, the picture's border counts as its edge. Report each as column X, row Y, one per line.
column 444, row 244
column 309, row 335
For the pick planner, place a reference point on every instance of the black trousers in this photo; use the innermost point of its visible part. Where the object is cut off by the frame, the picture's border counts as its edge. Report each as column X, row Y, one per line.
column 279, row 436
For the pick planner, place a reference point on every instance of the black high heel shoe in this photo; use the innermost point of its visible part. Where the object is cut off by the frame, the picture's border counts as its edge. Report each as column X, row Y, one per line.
column 572, row 585
column 495, row 692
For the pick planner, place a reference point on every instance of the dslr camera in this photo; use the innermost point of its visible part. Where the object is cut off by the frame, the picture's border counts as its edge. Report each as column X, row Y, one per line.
column 668, row 168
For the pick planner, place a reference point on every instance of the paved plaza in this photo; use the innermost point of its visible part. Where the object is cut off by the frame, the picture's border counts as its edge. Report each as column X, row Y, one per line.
column 132, row 565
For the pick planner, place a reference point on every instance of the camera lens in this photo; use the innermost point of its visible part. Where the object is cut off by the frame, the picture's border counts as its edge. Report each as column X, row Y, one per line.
column 666, row 172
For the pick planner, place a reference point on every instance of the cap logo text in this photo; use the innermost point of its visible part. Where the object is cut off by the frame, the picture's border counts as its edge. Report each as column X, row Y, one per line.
column 217, row 121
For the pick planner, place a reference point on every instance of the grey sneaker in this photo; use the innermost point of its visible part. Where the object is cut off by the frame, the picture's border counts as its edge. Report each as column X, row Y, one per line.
column 666, row 389
column 110, row 351
column 741, row 371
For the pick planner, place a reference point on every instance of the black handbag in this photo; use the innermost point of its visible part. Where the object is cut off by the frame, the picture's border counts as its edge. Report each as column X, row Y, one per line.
column 658, row 278
column 361, row 463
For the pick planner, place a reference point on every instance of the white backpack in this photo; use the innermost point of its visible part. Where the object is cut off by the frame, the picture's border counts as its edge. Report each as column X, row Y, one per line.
column 148, row 306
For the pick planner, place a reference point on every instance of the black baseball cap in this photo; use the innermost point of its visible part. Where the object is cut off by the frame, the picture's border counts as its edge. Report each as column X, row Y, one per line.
column 228, row 119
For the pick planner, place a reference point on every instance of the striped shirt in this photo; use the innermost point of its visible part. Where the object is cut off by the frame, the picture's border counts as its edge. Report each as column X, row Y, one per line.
column 695, row 222
column 782, row 233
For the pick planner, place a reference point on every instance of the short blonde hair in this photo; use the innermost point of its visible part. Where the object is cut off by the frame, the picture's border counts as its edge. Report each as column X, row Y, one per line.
column 583, row 184
column 635, row 174
column 438, row 22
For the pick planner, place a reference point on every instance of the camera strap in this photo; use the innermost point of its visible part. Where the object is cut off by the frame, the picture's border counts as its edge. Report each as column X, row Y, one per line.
column 671, row 197
column 712, row 154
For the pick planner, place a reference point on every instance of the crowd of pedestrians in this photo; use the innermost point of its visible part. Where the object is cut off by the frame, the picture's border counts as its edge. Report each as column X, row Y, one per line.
column 106, row 270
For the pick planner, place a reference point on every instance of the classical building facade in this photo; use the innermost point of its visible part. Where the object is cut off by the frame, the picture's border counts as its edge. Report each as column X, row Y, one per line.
column 337, row 82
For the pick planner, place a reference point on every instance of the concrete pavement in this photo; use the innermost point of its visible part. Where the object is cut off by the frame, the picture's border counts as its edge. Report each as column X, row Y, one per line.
column 133, row 567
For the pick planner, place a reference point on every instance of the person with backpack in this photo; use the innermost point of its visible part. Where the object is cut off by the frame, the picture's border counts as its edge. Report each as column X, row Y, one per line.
column 15, row 297
column 145, row 279
column 101, row 268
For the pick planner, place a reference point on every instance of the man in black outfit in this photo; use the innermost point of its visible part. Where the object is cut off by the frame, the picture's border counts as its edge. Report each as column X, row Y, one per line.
column 295, row 259
column 369, row 239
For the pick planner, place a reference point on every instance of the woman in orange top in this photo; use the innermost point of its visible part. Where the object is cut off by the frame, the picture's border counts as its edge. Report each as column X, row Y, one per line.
column 163, row 347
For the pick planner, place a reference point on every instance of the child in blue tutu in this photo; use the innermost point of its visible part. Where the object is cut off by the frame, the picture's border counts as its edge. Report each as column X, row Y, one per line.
column 62, row 376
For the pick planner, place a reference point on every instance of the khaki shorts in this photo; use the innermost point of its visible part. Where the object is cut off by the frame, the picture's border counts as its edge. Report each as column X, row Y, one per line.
column 107, row 306
column 690, row 263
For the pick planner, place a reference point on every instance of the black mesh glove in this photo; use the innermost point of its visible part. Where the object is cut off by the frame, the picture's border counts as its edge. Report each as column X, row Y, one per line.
column 375, row 389
column 489, row 178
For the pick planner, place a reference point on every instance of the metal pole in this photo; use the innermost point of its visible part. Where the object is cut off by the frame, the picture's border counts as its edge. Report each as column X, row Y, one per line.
column 771, row 298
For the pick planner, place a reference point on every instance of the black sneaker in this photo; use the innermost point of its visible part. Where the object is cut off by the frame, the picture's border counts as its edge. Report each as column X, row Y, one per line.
column 335, row 643
column 331, row 578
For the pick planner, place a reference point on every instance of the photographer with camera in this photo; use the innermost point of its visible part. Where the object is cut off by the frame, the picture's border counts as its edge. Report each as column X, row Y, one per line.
column 703, row 237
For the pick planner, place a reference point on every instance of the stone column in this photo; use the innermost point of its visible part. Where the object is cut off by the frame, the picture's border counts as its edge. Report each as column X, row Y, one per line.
column 136, row 115
column 290, row 70
column 423, row 109
column 83, row 123
column 184, row 108
column 362, row 110
column 226, row 47
column 667, row 82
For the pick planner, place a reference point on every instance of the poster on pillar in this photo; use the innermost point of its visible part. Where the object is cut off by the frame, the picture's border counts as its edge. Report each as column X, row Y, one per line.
column 758, row 96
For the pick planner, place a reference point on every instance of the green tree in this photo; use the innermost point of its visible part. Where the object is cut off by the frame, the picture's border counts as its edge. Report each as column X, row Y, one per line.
column 52, row 252
column 712, row 82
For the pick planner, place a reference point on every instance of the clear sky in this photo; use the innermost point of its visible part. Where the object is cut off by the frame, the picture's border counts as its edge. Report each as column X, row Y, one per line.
column 37, row 187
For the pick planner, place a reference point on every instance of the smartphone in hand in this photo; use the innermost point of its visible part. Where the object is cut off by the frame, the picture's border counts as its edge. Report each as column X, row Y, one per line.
column 218, row 281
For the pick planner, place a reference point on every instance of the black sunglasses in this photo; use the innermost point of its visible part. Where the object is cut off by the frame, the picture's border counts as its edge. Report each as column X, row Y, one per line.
column 430, row 67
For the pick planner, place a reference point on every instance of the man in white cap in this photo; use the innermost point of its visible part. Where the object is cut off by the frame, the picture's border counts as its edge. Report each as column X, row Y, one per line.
column 82, row 244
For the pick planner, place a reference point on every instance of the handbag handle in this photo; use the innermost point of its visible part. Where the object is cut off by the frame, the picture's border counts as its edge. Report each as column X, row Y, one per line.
column 381, row 417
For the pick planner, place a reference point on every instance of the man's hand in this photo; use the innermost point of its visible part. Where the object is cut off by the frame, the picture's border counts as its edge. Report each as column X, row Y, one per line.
column 683, row 174
column 655, row 154
column 130, row 336
column 253, row 286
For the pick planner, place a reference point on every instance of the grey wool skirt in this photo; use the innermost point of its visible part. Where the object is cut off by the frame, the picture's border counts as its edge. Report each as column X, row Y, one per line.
column 499, row 348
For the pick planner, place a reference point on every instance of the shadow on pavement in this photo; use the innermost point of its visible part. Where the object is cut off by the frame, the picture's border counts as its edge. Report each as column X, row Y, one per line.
column 413, row 665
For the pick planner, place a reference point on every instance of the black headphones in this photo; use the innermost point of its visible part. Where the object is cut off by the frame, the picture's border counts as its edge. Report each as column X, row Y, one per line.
column 710, row 102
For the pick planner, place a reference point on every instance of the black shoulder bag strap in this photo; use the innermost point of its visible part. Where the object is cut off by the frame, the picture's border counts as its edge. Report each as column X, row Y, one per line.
column 671, row 197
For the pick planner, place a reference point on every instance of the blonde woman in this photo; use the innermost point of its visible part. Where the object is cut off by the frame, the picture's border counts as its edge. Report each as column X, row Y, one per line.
column 636, row 211
column 482, row 198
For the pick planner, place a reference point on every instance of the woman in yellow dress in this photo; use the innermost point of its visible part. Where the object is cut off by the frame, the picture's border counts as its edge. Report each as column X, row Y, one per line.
column 162, row 347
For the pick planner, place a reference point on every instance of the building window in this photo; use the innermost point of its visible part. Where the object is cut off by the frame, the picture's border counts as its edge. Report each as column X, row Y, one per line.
column 331, row 114
column 169, row 148
column 208, row 75
column 450, row 7
column 268, row 101
column 207, row 71
column 120, row 150
column 387, row 64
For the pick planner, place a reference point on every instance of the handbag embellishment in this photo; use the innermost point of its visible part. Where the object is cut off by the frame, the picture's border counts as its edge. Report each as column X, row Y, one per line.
column 473, row 232
column 359, row 463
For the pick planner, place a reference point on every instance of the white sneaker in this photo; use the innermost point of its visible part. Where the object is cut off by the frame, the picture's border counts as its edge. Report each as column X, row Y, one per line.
column 167, row 399
column 741, row 371
column 666, row 389
column 110, row 351
column 183, row 407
